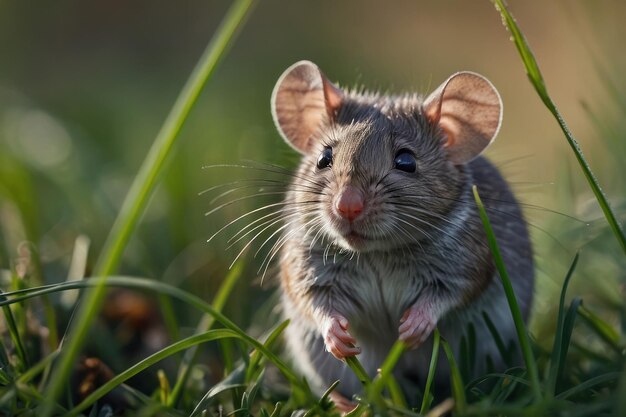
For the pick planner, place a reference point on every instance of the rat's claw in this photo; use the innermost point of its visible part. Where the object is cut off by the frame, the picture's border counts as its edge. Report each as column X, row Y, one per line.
column 416, row 325
column 337, row 339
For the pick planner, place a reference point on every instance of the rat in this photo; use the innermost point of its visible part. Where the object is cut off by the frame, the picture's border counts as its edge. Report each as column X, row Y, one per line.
column 384, row 240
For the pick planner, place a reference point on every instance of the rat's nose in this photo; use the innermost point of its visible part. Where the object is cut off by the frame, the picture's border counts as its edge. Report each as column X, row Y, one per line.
column 349, row 205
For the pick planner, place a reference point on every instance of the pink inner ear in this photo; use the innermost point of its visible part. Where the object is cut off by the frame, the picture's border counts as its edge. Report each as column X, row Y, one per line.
column 312, row 114
column 303, row 101
column 451, row 131
column 333, row 97
column 468, row 109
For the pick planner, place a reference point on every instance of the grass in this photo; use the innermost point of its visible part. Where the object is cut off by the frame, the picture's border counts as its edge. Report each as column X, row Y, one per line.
column 569, row 378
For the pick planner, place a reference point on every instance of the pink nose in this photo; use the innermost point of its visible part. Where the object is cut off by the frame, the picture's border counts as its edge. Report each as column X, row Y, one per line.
column 350, row 203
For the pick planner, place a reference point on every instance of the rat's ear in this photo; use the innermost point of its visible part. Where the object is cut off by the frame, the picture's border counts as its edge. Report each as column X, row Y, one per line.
column 468, row 109
column 302, row 100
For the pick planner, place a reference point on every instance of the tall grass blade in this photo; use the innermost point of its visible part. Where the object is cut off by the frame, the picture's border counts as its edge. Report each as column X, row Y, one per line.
column 139, row 194
column 386, row 368
column 428, row 395
column 358, row 410
column 277, row 409
column 37, row 368
column 505, row 352
column 326, row 395
column 396, row 394
column 536, row 79
column 559, row 348
column 520, row 327
column 255, row 358
column 161, row 288
column 601, row 328
column 14, row 333
column 358, row 370
column 169, row 317
column 568, row 328
column 458, row 390
column 231, row 382
column 205, row 324
column 149, row 361
column 589, row 384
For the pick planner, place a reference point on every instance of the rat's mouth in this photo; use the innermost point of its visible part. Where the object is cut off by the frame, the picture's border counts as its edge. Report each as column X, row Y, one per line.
column 352, row 235
column 355, row 239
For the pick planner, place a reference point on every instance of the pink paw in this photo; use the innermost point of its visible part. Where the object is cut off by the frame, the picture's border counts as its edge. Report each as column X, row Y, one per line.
column 416, row 325
column 337, row 339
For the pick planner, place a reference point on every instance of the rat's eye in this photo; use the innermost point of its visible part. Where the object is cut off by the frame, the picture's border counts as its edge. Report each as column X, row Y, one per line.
column 326, row 158
column 405, row 161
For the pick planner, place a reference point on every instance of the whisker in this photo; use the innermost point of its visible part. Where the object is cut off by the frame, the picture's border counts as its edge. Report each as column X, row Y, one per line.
column 275, row 233
column 486, row 199
column 276, row 247
column 492, row 209
column 263, row 188
column 247, row 245
column 248, row 181
column 287, row 210
column 288, row 235
column 245, row 215
column 269, row 222
column 415, row 227
column 274, row 169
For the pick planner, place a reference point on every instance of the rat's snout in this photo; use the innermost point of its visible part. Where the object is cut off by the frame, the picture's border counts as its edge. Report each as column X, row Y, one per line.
column 350, row 203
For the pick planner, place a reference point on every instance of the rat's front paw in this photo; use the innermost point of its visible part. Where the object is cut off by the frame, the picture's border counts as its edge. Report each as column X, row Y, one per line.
column 337, row 339
column 416, row 325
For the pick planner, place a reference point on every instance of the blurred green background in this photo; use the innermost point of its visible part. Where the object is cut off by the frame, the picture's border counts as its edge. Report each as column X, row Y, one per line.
column 85, row 86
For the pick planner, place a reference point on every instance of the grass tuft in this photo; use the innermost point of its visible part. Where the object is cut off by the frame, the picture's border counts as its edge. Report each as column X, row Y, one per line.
column 581, row 373
column 520, row 326
column 138, row 196
column 536, row 79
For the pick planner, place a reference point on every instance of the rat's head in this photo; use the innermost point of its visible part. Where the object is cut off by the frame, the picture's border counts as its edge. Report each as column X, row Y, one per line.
column 380, row 172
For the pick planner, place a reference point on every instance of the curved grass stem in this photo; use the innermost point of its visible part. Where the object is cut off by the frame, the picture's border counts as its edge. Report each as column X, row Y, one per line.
column 520, row 327
column 138, row 196
column 536, row 79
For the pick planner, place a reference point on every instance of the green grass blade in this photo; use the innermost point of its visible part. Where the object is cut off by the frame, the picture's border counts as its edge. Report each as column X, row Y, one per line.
column 255, row 359
column 386, row 368
column 559, row 349
column 169, row 318
column 277, row 409
column 164, row 386
column 601, row 328
column 396, row 394
column 37, row 368
column 149, row 361
column 568, row 328
column 205, row 324
column 161, row 288
column 455, row 377
column 428, row 396
column 228, row 348
column 505, row 352
column 139, row 194
column 358, row 410
column 14, row 334
column 589, row 384
column 326, row 395
column 536, row 79
column 358, row 370
column 374, row 388
column 520, row 327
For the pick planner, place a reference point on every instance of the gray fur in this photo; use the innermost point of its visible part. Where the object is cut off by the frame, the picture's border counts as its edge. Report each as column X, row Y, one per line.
column 426, row 240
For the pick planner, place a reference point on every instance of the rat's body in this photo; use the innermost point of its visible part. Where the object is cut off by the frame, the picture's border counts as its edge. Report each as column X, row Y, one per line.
column 387, row 242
